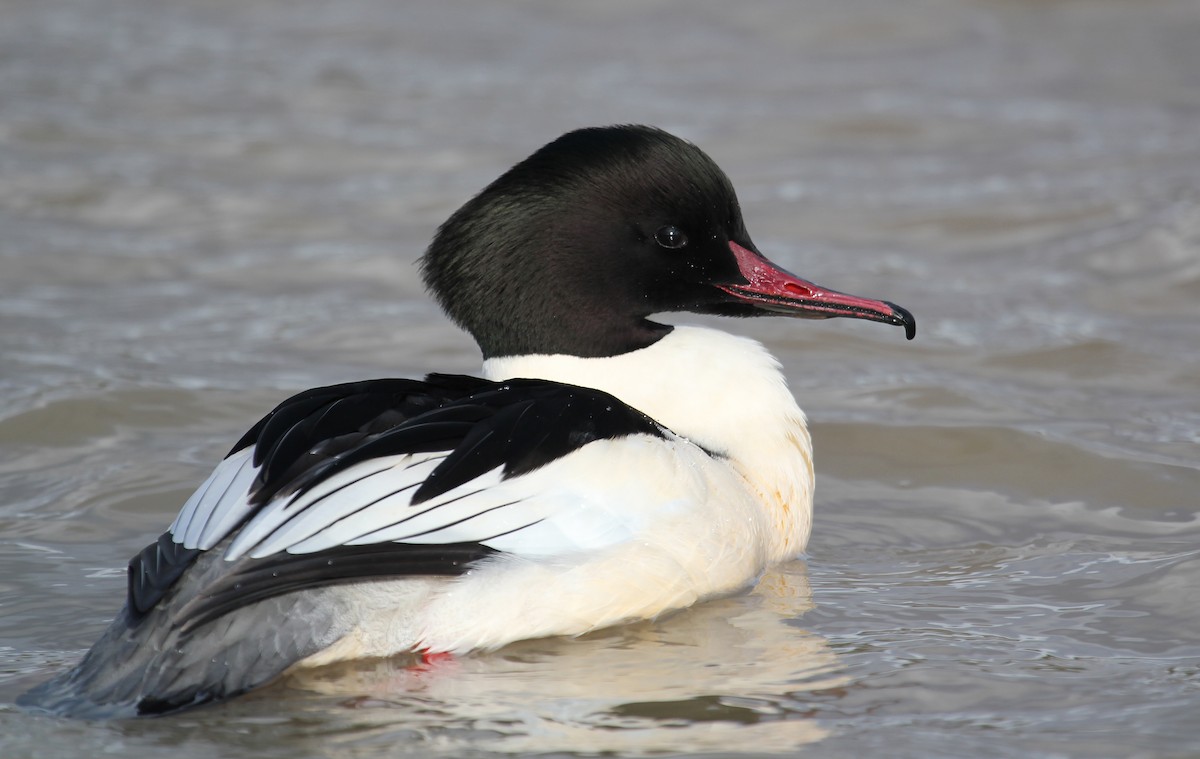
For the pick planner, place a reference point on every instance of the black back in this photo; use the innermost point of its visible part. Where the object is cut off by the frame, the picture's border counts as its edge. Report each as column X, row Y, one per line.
column 519, row 425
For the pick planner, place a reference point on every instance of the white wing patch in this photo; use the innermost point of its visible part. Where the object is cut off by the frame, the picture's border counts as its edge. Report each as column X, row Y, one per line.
column 597, row 496
column 356, row 506
column 218, row 505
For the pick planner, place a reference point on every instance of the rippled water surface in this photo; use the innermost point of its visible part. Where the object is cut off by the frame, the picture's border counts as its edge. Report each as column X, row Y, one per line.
column 208, row 205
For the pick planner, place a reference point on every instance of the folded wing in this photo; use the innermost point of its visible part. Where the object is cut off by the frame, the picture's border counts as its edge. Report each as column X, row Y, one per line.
column 379, row 479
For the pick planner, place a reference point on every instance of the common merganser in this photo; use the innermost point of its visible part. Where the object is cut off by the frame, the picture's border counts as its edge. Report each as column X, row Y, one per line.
column 607, row 468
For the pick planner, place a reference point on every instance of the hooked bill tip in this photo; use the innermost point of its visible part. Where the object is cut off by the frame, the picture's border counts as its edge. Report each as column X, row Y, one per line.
column 905, row 319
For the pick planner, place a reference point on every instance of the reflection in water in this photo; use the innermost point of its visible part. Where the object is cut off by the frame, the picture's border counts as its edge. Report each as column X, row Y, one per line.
column 718, row 675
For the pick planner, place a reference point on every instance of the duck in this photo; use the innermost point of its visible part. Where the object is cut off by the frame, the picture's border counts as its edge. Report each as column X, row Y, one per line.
column 604, row 468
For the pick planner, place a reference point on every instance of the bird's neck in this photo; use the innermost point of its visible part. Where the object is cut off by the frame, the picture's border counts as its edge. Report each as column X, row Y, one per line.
column 721, row 392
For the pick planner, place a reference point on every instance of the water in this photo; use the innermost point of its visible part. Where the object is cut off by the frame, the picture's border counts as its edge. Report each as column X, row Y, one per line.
column 206, row 206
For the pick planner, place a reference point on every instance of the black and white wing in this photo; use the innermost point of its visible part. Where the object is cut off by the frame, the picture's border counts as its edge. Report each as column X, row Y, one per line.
column 352, row 483
column 381, row 479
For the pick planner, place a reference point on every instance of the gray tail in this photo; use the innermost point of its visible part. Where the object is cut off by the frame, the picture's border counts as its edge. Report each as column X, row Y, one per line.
column 148, row 665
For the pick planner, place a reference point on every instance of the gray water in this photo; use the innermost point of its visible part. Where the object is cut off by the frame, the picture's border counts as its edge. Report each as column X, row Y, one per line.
column 206, row 206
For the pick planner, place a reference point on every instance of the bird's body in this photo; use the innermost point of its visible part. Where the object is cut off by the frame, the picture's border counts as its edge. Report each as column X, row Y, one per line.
column 633, row 526
column 606, row 468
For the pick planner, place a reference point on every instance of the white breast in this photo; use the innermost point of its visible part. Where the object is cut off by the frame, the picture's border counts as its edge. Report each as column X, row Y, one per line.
column 723, row 392
column 630, row 527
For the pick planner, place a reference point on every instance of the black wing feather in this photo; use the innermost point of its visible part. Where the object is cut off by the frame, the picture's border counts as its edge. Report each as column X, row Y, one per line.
column 256, row 580
column 519, row 425
column 295, row 438
column 325, row 423
column 534, row 422
column 153, row 571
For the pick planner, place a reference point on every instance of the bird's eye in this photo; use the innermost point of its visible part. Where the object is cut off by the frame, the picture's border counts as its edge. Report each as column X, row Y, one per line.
column 671, row 237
